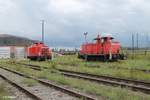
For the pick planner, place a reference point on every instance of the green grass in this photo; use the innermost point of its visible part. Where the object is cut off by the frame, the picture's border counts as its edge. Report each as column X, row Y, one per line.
column 3, row 92
column 111, row 93
column 102, row 68
column 139, row 62
column 29, row 82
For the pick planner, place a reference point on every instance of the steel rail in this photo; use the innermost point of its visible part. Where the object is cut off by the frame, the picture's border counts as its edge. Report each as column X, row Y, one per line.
column 58, row 87
column 135, row 85
column 28, row 93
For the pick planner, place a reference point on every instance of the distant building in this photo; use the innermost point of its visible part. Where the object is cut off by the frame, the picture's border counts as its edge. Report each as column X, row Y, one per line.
column 13, row 46
column 13, row 52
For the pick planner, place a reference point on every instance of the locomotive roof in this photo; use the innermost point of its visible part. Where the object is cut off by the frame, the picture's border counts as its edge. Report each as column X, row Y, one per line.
column 104, row 37
column 38, row 42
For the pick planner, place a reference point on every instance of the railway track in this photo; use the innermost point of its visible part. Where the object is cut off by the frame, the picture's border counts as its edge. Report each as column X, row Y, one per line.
column 28, row 93
column 50, row 84
column 132, row 69
column 134, row 85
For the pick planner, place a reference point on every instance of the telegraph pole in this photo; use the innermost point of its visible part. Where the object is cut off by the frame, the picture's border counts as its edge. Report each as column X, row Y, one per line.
column 43, row 22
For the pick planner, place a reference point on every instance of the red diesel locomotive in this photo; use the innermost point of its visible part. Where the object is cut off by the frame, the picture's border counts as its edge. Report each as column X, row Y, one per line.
column 39, row 51
column 104, row 49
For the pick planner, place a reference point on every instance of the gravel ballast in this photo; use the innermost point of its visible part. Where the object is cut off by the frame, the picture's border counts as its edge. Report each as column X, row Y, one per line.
column 13, row 92
column 44, row 92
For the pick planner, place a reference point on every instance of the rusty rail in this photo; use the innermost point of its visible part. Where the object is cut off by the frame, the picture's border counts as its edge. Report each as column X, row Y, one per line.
column 136, row 85
column 58, row 87
column 28, row 93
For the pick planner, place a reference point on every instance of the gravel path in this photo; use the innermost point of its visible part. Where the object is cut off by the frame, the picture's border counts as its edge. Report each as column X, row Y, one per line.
column 46, row 93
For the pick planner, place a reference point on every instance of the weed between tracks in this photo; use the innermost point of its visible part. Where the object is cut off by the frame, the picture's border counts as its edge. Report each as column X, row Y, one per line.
column 3, row 92
column 101, row 68
column 29, row 82
column 112, row 93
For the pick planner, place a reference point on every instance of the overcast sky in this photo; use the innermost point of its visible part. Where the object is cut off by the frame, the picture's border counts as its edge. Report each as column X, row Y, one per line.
column 67, row 20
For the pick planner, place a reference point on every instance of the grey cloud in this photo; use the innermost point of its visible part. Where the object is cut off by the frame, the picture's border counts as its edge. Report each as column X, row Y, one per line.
column 66, row 21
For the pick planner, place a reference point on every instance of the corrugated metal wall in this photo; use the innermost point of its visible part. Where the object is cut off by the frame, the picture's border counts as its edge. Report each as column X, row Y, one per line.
column 13, row 52
column 20, row 52
column 4, row 52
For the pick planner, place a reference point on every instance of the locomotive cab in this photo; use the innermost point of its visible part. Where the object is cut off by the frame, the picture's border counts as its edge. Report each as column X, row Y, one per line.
column 39, row 51
column 105, row 48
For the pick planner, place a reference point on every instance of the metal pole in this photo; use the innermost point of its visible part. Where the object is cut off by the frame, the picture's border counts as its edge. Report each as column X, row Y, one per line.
column 146, row 44
column 43, row 21
column 132, row 46
column 137, row 37
column 147, row 41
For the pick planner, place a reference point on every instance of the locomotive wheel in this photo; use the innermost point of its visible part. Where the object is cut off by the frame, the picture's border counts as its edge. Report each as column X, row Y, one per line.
column 86, row 58
column 115, row 58
column 105, row 58
column 31, row 59
column 38, row 58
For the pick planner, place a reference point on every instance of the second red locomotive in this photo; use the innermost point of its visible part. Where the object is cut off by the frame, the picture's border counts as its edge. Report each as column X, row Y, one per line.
column 39, row 51
column 103, row 49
